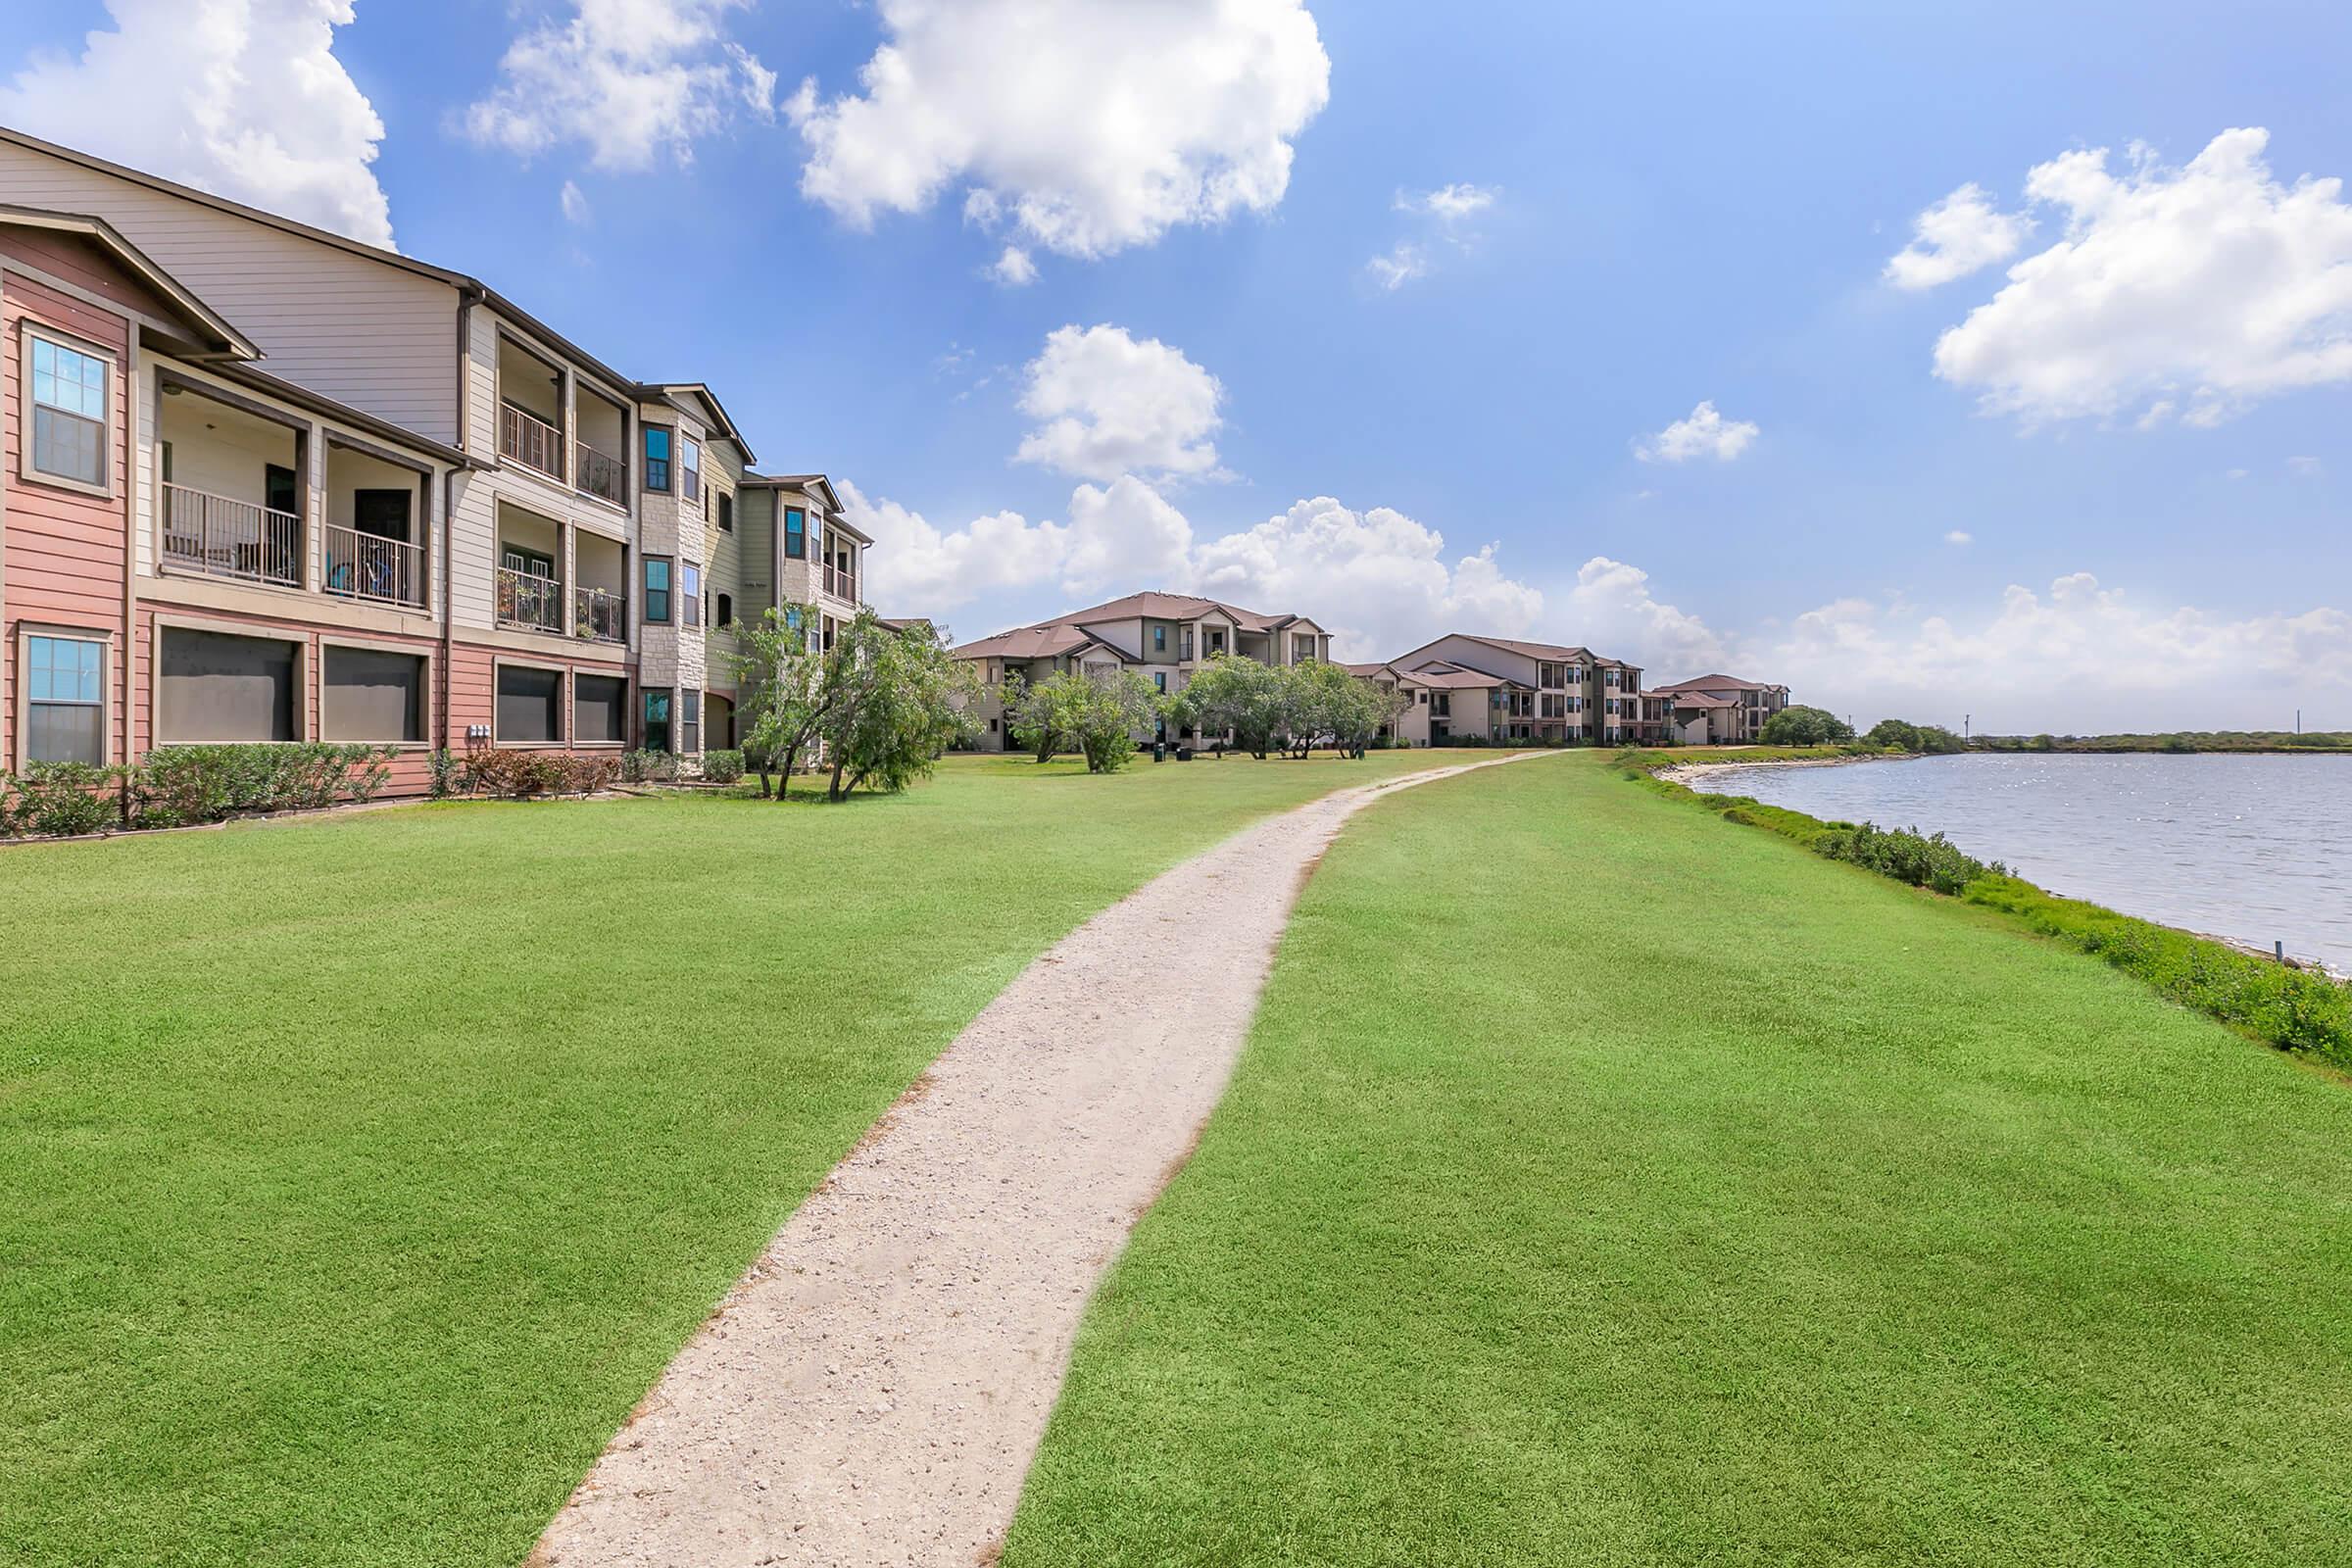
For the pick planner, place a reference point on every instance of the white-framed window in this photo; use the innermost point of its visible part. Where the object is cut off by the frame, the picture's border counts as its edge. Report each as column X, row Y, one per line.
column 68, row 390
column 689, row 471
column 65, row 698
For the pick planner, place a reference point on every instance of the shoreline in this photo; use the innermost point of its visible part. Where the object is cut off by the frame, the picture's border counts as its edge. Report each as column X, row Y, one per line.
column 1687, row 772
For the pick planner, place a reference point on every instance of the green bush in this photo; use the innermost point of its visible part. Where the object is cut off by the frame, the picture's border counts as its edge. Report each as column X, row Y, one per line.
column 647, row 767
column 516, row 776
column 723, row 767
column 445, row 775
column 60, row 800
column 1929, row 860
column 178, row 785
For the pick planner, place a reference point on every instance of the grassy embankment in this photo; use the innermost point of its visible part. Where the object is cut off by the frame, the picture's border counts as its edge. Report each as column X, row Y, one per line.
column 1607, row 1184
column 361, row 1173
column 2274, row 740
column 2294, row 1009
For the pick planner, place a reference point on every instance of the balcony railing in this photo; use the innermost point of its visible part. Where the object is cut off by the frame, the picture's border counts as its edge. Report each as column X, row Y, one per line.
column 598, row 616
column 530, row 440
column 528, row 601
column 841, row 584
column 600, row 474
column 361, row 565
column 224, row 538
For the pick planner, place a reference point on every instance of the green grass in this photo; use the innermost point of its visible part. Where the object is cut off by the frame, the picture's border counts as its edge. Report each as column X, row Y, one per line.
column 358, row 1175
column 1608, row 1184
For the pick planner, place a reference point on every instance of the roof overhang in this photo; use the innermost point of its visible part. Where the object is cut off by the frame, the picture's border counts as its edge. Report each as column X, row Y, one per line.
column 213, row 333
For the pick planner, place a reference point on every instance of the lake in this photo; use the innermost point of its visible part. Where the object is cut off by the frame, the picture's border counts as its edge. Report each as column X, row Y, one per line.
column 2255, row 848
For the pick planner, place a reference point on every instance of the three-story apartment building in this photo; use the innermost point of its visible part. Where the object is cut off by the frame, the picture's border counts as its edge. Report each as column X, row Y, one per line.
column 1167, row 637
column 1534, row 691
column 334, row 492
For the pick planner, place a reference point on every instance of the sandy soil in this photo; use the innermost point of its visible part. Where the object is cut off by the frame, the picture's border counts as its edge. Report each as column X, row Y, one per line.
column 872, row 1391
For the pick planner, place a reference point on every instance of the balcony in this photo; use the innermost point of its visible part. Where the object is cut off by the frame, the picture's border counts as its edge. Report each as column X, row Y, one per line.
column 600, row 474
column 841, row 584
column 221, row 537
column 530, row 440
column 361, row 565
column 528, row 601
column 598, row 616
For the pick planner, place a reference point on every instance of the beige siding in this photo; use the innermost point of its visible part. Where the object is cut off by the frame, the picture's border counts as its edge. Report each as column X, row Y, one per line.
column 359, row 331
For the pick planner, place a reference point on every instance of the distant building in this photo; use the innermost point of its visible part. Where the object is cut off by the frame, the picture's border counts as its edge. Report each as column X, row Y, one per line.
column 1502, row 689
column 1720, row 709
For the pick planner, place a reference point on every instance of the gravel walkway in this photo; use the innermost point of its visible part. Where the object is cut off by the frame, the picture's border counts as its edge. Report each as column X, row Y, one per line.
column 872, row 1391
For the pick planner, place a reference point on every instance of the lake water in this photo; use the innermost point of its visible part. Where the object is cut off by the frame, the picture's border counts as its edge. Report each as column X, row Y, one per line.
column 2255, row 848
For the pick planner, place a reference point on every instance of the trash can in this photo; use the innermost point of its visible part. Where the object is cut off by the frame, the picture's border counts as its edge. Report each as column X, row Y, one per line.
column 1159, row 751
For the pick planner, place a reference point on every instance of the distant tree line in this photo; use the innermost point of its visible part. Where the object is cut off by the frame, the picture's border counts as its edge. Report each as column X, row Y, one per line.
column 1292, row 709
column 2190, row 740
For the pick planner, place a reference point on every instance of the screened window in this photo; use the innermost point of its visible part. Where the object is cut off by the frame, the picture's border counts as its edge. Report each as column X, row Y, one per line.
column 796, row 533
column 726, row 514
column 1159, row 639
column 530, row 705
column 726, row 611
column 65, row 699
column 69, row 412
column 600, row 709
column 656, row 588
column 689, row 469
column 657, row 722
column 218, row 687
column 690, row 721
column 367, row 695
column 656, row 458
column 690, row 586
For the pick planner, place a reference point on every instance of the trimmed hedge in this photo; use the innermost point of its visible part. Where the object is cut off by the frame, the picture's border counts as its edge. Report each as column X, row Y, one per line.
column 183, row 786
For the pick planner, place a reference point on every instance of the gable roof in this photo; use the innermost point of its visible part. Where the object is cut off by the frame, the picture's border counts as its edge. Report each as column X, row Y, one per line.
column 210, row 324
column 721, row 424
column 1717, row 683
column 1039, row 642
column 816, row 484
column 1154, row 604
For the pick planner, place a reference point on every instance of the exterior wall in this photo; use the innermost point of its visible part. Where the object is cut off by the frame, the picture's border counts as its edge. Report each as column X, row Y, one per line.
column 473, row 692
column 63, row 553
column 362, row 331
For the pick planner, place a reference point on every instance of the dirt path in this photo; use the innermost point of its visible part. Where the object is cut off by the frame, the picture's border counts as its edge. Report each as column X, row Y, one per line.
column 872, row 1391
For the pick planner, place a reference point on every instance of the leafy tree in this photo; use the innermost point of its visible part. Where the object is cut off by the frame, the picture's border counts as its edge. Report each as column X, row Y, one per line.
column 1799, row 725
column 1101, row 714
column 1031, row 716
column 793, row 691
column 901, row 700
column 1902, row 735
column 1241, row 695
column 1330, row 705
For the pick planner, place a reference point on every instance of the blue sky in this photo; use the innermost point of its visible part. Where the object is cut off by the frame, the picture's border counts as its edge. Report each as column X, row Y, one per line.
column 1652, row 208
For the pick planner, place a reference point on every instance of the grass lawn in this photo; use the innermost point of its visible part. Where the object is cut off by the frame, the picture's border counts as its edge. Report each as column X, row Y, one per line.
column 1608, row 1184
column 358, row 1175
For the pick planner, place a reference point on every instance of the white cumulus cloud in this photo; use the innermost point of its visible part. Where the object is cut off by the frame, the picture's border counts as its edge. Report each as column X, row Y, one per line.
column 1398, row 267
column 1613, row 611
column 241, row 98
column 1448, row 204
column 1962, row 233
column 1089, row 127
column 575, row 203
column 2078, row 657
column 1015, row 269
column 631, row 80
column 1704, row 434
column 1959, row 536
column 1109, row 405
column 2202, row 289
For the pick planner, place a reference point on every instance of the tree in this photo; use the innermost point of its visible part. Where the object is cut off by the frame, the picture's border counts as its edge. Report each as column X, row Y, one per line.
column 1328, row 704
column 1104, row 712
column 1239, row 694
column 792, row 692
column 1800, row 725
column 1901, row 735
column 1031, row 717
column 902, row 702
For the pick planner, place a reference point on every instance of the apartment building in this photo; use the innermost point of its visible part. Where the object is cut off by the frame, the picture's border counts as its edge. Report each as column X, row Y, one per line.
column 1167, row 637
column 1721, row 709
column 1504, row 689
column 267, row 483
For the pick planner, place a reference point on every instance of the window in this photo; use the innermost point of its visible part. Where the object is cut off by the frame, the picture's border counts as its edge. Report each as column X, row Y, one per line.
column 726, row 611
column 1159, row 678
column 600, row 711
column 657, row 720
column 367, row 695
column 530, row 705
column 690, row 589
column 657, row 458
column 218, row 687
column 69, row 413
column 690, row 721
column 1159, row 639
column 726, row 514
column 656, row 588
column 689, row 471
column 796, row 533
column 66, row 699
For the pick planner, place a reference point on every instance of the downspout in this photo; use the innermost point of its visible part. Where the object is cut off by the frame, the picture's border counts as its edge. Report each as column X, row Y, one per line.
column 131, row 548
column 467, row 298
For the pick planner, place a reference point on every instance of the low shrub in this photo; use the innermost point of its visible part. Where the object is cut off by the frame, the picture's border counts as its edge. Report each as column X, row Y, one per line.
column 516, row 775
column 445, row 775
column 1924, row 860
column 178, row 785
column 647, row 767
column 61, row 800
column 723, row 767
